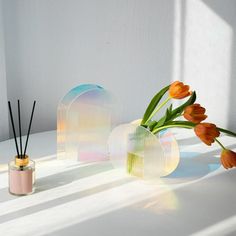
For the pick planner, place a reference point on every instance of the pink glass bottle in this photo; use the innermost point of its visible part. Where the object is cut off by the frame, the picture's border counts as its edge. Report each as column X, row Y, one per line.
column 21, row 176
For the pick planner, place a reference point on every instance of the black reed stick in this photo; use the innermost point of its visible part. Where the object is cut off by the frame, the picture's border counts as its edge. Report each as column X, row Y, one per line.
column 13, row 127
column 19, row 119
column 31, row 118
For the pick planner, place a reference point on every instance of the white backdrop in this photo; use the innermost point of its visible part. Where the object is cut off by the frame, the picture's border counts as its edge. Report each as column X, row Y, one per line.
column 131, row 47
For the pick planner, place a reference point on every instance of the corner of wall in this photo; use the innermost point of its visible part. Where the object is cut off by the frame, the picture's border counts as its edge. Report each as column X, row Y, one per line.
column 4, row 125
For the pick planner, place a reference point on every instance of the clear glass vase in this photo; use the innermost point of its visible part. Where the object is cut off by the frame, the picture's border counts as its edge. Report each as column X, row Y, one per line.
column 141, row 153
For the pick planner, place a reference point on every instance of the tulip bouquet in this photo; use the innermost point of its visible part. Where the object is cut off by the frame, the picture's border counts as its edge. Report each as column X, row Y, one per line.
column 192, row 112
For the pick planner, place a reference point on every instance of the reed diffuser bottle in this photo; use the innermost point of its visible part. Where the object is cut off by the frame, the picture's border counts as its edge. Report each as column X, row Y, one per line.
column 21, row 169
column 21, row 176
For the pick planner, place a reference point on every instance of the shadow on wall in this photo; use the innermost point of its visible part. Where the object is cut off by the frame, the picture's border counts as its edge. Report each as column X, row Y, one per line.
column 226, row 10
column 207, row 55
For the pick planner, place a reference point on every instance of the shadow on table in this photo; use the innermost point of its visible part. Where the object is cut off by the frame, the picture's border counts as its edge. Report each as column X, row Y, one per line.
column 193, row 166
column 64, row 199
column 61, row 178
column 183, row 211
column 68, row 176
column 188, row 141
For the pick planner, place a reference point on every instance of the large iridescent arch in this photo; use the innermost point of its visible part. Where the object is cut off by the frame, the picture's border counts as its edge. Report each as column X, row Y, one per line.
column 85, row 117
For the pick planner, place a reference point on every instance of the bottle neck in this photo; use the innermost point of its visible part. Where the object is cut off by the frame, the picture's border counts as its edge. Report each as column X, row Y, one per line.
column 21, row 160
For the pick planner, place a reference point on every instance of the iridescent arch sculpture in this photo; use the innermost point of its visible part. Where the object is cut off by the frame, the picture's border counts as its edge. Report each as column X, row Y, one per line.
column 85, row 117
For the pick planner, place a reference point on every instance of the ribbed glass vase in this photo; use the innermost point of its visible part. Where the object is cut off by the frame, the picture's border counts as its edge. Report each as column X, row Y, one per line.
column 142, row 154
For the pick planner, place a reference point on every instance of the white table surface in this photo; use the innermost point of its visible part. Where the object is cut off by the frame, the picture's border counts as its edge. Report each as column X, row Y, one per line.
column 199, row 198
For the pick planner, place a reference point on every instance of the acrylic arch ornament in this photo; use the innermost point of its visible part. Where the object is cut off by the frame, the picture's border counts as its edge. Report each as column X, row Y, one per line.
column 85, row 118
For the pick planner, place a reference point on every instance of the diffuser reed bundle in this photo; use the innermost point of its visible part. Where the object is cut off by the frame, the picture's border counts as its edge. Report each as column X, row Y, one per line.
column 21, row 170
column 20, row 154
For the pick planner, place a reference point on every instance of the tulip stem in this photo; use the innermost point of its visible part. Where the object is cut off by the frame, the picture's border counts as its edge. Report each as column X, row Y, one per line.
column 220, row 143
column 227, row 131
column 171, row 126
column 158, row 109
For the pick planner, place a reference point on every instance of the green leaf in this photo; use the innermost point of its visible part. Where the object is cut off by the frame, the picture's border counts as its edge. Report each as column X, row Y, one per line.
column 172, row 114
column 160, row 122
column 154, row 102
column 170, row 108
column 164, row 118
column 168, row 112
column 144, row 126
column 152, row 124
column 177, row 111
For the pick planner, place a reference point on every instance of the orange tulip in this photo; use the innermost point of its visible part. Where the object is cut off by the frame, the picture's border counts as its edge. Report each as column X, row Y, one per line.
column 195, row 113
column 178, row 90
column 228, row 158
column 207, row 132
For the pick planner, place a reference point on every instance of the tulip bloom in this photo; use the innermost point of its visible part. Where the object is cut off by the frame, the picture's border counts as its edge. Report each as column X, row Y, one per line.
column 195, row 113
column 207, row 132
column 228, row 158
column 178, row 90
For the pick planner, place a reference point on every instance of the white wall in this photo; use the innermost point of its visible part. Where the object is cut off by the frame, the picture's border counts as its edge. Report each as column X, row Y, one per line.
column 226, row 10
column 209, row 57
column 53, row 45
column 4, row 132
column 131, row 47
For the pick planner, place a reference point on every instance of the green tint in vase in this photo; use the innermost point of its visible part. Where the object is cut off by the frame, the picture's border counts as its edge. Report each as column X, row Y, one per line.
column 141, row 153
